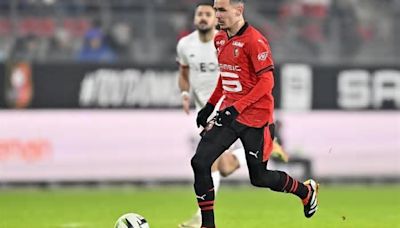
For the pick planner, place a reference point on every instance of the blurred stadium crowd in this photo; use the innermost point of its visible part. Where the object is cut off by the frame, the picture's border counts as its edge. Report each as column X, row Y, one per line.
column 146, row 32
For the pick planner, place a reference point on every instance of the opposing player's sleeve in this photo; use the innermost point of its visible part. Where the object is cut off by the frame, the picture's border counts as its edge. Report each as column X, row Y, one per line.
column 181, row 58
column 260, row 54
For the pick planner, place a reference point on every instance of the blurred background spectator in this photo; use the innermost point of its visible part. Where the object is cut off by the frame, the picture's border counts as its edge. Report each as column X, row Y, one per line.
column 311, row 31
column 95, row 47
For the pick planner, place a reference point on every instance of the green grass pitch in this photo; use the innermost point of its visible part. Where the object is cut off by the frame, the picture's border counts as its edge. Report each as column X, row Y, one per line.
column 165, row 207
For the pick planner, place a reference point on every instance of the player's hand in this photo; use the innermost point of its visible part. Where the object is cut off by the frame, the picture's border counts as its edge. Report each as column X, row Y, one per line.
column 186, row 103
column 203, row 114
column 227, row 115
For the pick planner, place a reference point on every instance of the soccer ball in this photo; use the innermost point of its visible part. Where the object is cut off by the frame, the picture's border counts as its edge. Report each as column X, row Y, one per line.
column 131, row 220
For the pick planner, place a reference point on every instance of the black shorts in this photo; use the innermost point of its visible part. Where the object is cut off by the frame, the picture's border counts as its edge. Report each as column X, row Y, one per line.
column 257, row 142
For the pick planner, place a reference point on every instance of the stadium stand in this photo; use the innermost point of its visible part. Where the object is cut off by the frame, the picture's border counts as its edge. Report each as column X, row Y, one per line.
column 314, row 31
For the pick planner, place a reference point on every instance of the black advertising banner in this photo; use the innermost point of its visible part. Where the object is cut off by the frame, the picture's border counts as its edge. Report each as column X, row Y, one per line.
column 356, row 88
column 324, row 88
column 277, row 92
column 104, row 86
column 305, row 87
column 297, row 86
column 58, row 85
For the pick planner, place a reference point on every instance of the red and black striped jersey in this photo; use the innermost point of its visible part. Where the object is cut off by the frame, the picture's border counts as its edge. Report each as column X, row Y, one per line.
column 246, row 75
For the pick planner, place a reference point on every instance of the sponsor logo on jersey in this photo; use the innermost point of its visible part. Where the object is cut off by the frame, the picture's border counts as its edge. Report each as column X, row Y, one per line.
column 229, row 67
column 238, row 44
column 262, row 56
column 204, row 67
column 220, row 42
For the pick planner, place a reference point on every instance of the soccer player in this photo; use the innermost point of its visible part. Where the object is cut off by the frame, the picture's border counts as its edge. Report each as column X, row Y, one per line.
column 246, row 113
column 198, row 70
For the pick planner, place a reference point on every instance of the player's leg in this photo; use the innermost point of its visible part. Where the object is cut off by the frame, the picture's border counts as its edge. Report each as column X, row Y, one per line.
column 195, row 220
column 258, row 146
column 211, row 146
column 216, row 175
column 228, row 163
column 234, row 158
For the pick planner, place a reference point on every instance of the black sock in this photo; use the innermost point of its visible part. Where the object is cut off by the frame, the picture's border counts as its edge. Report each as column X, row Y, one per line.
column 206, row 205
column 293, row 186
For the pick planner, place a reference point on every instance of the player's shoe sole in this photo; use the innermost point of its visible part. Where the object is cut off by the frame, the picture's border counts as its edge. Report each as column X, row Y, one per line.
column 311, row 201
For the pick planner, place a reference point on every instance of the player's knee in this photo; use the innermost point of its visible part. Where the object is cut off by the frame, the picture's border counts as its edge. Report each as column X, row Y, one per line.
column 200, row 165
column 266, row 179
column 196, row 163
column 224, row 170
column 257, row 181
column 228, row 163
column 273, row 178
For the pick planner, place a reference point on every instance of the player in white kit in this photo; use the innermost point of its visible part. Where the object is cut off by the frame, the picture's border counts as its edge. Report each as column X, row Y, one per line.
column 198, row 72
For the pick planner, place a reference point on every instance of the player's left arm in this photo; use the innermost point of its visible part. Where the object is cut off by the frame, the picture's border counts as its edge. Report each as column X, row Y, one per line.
column 260, row 57
column 263, row 87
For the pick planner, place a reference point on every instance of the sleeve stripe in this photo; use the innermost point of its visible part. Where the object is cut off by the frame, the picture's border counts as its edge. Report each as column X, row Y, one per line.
column 266, row 69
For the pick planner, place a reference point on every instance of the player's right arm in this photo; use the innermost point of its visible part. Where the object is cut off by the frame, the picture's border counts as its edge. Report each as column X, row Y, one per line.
column 218, row 91
column 183, row 78
column 217, row 94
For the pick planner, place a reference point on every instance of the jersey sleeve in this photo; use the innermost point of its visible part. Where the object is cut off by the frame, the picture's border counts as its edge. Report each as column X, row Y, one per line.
column 217, row 94
column 219, row 39
column 264, row 86
column 260, row 55
column 181, row 58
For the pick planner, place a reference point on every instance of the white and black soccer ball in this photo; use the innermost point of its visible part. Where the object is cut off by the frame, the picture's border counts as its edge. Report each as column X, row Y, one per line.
column 131, row 220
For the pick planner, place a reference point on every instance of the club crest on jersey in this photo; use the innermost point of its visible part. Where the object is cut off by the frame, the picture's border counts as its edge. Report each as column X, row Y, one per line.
column 236, row 52
column 262, row 56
